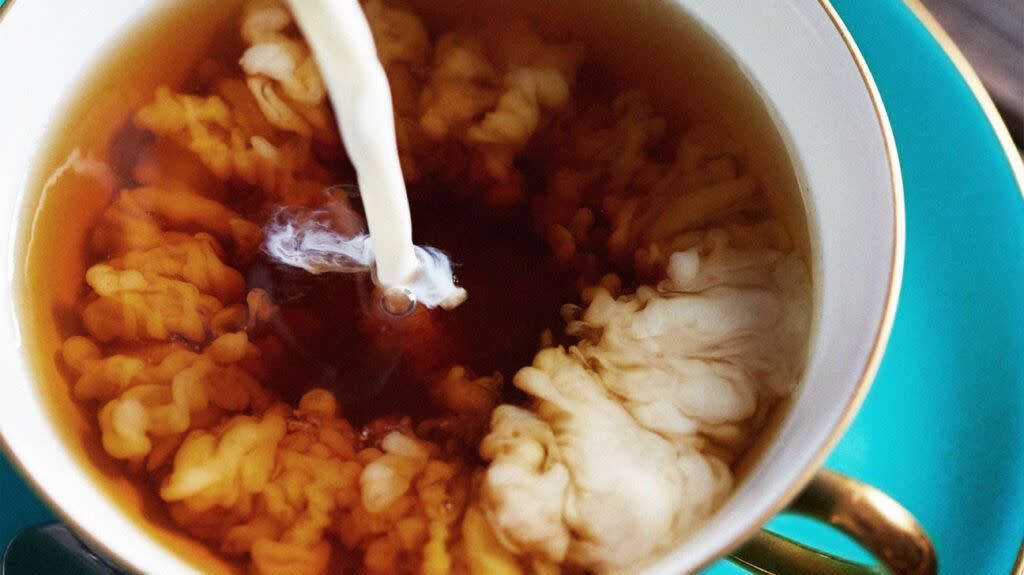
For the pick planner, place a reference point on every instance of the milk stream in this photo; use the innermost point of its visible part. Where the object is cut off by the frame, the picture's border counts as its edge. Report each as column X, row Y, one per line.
column 342, row 43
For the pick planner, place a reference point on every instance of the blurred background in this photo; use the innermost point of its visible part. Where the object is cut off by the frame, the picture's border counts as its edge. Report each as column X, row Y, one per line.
column 990, row 33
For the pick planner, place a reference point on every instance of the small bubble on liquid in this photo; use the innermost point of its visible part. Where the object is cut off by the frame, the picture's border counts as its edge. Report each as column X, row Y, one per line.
column 397, row 302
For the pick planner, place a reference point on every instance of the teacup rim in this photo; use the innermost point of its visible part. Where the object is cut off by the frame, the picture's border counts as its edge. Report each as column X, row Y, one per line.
column 849, row 412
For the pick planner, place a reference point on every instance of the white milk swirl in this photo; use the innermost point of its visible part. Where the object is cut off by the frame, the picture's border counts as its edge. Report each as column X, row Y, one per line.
column 308, row 239
column 342, row 43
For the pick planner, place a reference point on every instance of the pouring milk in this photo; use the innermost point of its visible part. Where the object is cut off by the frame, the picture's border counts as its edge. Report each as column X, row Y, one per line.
column 342, row 43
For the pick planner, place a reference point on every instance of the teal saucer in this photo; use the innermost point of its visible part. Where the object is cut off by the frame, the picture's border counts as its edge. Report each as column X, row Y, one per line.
column 942, row 430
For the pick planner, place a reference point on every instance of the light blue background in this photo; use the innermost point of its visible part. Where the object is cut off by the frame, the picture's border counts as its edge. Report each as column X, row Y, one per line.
column 942, row 429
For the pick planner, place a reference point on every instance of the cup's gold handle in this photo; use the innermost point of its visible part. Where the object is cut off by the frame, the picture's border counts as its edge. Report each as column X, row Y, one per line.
column 870, row 517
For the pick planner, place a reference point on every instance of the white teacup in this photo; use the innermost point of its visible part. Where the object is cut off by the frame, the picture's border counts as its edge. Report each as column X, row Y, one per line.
column 824, row 103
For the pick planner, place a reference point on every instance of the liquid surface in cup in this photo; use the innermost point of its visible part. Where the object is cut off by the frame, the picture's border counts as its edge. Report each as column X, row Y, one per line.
column 274, row 420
